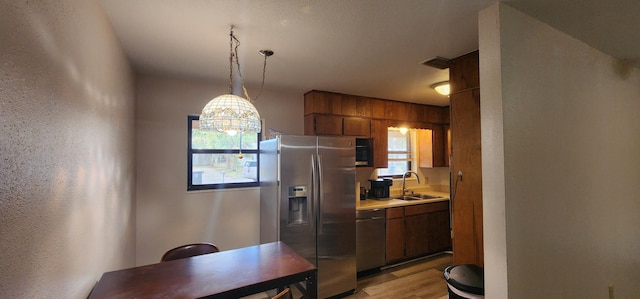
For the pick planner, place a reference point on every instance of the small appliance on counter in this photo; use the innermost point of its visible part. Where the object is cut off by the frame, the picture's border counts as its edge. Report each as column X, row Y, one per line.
column 380, row 188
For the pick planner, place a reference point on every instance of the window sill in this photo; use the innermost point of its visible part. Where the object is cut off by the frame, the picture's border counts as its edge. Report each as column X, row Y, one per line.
column 224, row 190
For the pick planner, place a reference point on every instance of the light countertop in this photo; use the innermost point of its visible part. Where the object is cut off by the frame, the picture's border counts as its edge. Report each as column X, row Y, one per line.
column 383, row 203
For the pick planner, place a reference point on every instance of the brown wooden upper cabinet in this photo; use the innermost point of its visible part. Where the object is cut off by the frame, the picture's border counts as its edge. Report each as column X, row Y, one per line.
column 380, row 143
column 464, row 72
column 434, row 146
column 335, row 125
column 334, row 114
column 356, row 126
column 327, row 125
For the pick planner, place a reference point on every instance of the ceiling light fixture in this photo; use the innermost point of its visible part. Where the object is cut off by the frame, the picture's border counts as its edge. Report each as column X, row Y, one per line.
column 442, row 88
column 230, row 113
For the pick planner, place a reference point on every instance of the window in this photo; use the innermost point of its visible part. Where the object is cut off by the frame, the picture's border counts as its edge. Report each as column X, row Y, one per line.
column 400, row 157
column 214, row 162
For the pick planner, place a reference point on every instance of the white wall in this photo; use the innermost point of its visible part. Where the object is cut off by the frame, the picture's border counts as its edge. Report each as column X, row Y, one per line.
column 168, row 215
column 560, row 163
column 66, row 149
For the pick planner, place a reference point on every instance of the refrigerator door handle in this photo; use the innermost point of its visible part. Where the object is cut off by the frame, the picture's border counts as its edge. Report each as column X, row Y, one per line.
column 312, row 201
column 320, row 201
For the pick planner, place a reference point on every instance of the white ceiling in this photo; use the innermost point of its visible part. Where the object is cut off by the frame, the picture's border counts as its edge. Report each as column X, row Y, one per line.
column 362, row 47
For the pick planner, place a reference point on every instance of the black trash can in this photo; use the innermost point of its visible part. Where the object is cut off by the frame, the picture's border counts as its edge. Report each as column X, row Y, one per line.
column 465, row 281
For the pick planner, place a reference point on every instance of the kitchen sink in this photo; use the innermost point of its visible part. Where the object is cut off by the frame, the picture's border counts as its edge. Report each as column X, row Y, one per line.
column 418, row 197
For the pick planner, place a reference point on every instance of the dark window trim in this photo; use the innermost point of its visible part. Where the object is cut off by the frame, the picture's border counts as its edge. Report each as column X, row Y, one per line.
column 191, row 152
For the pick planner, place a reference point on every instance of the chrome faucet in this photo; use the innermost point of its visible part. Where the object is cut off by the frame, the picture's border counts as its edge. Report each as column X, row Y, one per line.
column 404, row 189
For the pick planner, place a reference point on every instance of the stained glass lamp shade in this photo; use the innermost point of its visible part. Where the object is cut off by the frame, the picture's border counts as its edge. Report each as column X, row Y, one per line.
column 231, row 114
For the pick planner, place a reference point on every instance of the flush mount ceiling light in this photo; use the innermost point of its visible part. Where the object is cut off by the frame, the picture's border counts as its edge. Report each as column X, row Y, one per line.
column 230, row 113
column 442, row 88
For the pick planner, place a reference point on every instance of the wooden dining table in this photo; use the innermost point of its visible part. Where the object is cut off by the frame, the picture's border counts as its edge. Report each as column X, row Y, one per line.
column 226, row 274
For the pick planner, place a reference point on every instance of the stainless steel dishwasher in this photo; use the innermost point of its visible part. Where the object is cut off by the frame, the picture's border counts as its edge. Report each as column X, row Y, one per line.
column 370, row 239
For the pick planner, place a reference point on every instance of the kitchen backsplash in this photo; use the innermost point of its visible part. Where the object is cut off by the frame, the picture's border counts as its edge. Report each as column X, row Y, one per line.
column 436, row 179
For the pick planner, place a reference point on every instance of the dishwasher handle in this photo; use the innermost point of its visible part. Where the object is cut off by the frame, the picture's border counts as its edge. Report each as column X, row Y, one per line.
column 370, row 218
column 370, row 214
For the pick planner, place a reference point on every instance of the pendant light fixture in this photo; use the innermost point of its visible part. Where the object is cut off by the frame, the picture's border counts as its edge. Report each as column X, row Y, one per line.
column 230, row 113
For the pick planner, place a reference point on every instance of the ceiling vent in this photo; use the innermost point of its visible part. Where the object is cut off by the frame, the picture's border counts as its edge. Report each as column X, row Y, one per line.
column 438, row 62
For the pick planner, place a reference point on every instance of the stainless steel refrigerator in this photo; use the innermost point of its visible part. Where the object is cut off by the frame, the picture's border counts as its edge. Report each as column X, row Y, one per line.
column 307, row 200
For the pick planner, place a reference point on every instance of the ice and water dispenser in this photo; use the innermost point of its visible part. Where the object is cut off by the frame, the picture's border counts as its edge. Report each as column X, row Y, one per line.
column 298, row 202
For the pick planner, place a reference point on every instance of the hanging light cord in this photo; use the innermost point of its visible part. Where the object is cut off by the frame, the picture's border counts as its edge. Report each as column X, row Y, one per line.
column 234, row 53
column 265, row 53
column 231, row 37
column 234, row 56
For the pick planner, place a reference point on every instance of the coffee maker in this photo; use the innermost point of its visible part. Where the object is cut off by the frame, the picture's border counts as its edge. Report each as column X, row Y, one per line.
column 380, row 188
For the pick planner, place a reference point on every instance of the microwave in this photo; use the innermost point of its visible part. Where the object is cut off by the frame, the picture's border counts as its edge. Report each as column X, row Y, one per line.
column 364, row 152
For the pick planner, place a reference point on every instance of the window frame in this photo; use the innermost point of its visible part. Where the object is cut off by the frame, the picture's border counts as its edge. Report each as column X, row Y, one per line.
column 191, row 151
column 410, row 153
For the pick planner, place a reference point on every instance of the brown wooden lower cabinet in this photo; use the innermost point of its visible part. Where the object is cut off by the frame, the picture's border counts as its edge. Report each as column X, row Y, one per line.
column 395, row 234
column 417, row 238
column 417, row 230
column 439, row 233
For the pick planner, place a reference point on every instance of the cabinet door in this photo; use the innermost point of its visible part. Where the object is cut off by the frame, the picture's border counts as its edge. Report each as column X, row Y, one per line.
column 356, row 106
column 395, row 239
column 425, row 148
column 328, row 125
column 467, row 157
column 322, row 102
column 464, row 72
column 447, row 144
column 417, row 235
column 439, row 234
column 380, row 143
column 439, row 143
column 432, row 145
column 363, row 107
column 395, row 110
column 356, row 126
column 310, row 125
column 377, row 108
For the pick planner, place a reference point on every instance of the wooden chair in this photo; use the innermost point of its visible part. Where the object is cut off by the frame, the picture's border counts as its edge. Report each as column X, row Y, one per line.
column 285, row 294
column 189, row 250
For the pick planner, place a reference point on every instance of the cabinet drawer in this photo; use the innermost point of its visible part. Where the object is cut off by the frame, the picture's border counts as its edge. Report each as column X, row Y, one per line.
column 426, row 208
column 395, row 213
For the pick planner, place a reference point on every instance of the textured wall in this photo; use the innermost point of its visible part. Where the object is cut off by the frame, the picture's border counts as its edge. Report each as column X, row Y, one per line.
column 560, row 148
column 66, row 149
column 168, row 215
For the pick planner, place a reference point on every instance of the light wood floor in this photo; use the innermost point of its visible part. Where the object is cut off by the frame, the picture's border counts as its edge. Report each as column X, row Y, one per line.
column 419, row 279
